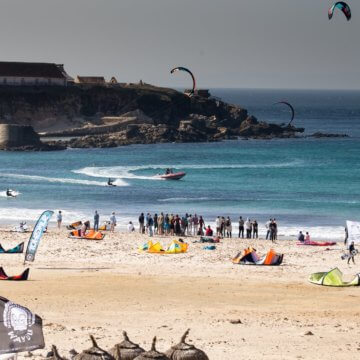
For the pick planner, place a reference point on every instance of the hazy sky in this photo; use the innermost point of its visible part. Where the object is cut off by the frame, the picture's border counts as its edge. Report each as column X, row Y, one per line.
column 227, row 43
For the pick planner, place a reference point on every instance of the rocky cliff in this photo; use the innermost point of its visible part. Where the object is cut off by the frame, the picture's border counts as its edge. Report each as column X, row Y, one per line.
column 118, row 115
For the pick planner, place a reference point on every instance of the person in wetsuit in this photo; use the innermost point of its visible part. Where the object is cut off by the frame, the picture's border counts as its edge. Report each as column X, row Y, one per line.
column 110, row 182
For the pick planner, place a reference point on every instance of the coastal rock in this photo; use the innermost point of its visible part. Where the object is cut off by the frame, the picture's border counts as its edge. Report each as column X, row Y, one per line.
column 328, row 135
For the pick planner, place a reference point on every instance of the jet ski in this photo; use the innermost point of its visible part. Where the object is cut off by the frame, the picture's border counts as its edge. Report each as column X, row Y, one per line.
column 170, row 175
column 11, row 193
column 111, row 182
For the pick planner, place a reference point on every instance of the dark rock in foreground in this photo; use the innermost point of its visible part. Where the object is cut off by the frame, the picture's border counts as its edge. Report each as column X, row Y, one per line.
column 325, row 135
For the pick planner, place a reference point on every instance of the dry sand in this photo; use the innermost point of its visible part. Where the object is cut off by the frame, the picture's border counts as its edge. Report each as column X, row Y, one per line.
column 81, row 287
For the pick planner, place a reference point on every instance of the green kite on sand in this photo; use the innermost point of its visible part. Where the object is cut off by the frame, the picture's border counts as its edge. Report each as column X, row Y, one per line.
column 333, row 278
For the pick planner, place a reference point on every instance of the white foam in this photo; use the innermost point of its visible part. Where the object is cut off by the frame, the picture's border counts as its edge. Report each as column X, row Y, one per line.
column 20, row 214
column 185, row 199
column 316, row 232
column 61, row 180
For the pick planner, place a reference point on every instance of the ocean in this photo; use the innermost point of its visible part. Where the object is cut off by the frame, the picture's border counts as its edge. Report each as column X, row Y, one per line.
column 306, row 184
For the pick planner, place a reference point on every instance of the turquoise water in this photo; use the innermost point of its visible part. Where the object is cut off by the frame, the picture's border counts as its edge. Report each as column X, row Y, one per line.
column 304, row 183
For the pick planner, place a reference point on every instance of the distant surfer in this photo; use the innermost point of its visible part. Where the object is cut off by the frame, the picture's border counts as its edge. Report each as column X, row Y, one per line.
column 10, row 193
column 110, row 182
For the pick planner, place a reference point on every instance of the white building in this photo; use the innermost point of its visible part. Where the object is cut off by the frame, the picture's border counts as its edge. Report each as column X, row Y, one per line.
column 26, row 73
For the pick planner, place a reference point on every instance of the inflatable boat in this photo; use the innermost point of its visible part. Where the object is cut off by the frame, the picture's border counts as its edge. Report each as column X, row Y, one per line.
column 173, row 176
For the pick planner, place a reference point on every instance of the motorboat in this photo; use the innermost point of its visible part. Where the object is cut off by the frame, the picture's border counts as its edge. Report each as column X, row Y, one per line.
column 173, row 176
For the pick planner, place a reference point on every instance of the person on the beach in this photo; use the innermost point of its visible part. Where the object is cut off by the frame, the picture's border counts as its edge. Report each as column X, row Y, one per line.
column 301, row 237
column 352, row 253
column 248, row 228
column 59, row 219
column 275, row 229
column 228, row 227
column 241, row 227
column 85, row 226
column 267, row 225
column 141, row 223
column 150, row 224
column 172, row 224
column 272, row 230
column 190, row 225
column 307, row 237
column 112, row 221
column 218, row 226
column 160, row 222
column 184, row 224
column 130, row 227
column 166, row 224
column 147, row 223
column 346, row 235
column 196, row 224
column 177, row 225
column 155, row 223
column 209, row 231
column 96, row 221
column 201, row 223
column 255, row 229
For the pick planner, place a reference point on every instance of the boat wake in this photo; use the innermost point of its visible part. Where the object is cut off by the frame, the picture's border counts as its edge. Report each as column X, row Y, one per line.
column 62, row 180
column 3, row 194
column 129, row 172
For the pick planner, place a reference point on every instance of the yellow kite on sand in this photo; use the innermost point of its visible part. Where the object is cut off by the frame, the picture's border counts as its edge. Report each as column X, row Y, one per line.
column 175, row 247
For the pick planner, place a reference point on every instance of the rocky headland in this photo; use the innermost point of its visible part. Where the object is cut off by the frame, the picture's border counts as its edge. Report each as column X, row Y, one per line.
column 114, row 115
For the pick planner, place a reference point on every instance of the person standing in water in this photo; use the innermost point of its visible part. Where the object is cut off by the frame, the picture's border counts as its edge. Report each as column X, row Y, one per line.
column 59, row 219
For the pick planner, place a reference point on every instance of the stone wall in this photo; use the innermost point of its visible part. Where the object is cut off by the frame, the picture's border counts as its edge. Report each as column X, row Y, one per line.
column 17, row 136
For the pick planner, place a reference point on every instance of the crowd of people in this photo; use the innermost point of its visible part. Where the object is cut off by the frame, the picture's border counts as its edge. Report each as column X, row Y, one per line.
column 170, row 224
column 189, row 225
column 194, row 225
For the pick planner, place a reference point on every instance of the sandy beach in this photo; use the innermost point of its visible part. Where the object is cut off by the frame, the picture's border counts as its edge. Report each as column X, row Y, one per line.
column 81, row 287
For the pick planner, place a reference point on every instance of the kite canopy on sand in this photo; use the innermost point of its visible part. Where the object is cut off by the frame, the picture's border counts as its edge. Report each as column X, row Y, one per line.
column 250, row 257
column 22, row 277
column 333, row 277
column 343, row 6
column 20, row 329
column 36, row 235
column 180, row 68
column 316, row 243
column 18, row 249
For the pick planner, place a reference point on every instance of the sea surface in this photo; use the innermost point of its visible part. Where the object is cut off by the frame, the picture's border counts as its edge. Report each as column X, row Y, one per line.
column 306, row 184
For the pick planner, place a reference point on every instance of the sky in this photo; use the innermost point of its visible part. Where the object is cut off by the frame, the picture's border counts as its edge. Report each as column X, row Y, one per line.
column 226, row 43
